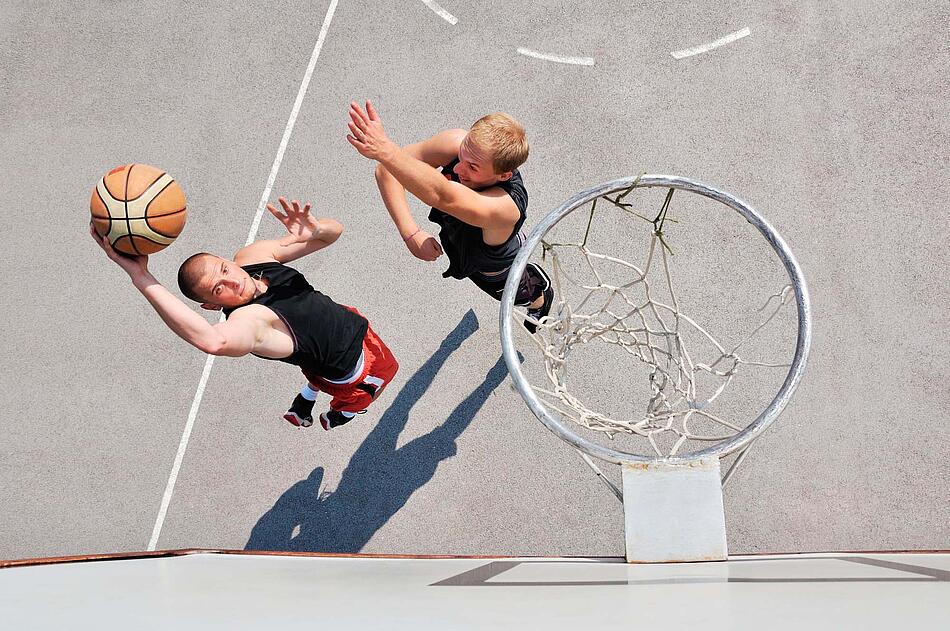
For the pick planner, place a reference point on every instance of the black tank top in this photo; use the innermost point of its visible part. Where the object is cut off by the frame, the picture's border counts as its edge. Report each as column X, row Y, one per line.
column 328, row 338
column 463, row 244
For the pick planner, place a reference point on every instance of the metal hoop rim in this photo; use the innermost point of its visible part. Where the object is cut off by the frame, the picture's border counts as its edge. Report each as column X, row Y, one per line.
column 722, row 449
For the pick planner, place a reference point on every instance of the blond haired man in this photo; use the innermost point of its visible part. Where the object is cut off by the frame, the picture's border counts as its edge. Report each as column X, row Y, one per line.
column 478, row 199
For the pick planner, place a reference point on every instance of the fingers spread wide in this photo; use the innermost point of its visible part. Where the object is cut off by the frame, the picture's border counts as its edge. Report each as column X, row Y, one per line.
column 273, row 210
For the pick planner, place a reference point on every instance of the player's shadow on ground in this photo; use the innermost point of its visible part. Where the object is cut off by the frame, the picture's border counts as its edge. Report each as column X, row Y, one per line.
column 379, row 478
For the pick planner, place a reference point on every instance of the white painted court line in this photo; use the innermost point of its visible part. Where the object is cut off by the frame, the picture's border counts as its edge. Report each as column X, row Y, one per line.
column 445, row 15
column 702, row 48
column 182, row 446
column 290, row 122
column 251, row 235
column 578, row 61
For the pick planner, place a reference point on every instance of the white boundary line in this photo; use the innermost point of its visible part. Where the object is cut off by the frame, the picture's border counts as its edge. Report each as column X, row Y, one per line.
column 445, row 15
column 578, row 61
column 252, row 233
column 702, row 48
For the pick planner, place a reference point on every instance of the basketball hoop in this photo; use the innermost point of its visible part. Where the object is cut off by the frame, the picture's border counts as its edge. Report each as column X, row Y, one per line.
column 631, row 317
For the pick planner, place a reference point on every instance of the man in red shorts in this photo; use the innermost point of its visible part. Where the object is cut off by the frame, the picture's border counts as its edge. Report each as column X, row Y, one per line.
column 274, row 313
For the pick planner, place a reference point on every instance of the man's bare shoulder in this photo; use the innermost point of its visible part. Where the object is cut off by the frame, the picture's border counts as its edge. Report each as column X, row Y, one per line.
column 504, row 205
column 495, row 192
column 452, row 136
column 439, row 149
column 252, row 313
column 255, row 253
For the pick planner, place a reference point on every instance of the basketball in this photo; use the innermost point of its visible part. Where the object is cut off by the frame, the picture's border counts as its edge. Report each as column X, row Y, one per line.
column 140, row 208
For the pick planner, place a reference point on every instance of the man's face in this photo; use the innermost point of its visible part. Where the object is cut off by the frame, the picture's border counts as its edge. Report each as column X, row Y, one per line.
column 225, row 284
column 475, row 168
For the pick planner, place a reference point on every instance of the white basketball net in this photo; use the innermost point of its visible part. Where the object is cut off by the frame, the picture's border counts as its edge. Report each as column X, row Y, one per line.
column 635, row 319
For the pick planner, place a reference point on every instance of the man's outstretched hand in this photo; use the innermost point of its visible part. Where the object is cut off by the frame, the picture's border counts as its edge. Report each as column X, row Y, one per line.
column 301, row 225
column 366, row 132
column 369, row 138
column 136, row 266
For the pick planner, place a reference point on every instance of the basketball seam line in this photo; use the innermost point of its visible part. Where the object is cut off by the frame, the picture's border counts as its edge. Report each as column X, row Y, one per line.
column 156, row 196
column 125, row 203
column 157, row 231
column 165, row 214
column 169, row 214
column 109, row 216
column 139, row 218
column 152, row 183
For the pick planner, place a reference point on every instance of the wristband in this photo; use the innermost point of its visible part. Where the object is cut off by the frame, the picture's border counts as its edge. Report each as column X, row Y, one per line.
column 406, row 239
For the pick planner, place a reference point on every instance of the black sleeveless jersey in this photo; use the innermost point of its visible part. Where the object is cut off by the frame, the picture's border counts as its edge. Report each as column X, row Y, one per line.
column 463, row 243
column 328, row 338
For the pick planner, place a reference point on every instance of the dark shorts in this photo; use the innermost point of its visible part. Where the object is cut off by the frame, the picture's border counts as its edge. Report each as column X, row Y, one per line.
column 534, row 281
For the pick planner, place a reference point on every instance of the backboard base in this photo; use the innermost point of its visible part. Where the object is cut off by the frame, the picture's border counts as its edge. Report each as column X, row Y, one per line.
column 673, row 512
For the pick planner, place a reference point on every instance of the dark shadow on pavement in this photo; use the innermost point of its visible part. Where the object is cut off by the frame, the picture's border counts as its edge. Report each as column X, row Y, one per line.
column 379, row 478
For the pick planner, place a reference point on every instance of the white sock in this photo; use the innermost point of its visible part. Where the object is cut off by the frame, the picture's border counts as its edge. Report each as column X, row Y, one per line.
column 309, row 393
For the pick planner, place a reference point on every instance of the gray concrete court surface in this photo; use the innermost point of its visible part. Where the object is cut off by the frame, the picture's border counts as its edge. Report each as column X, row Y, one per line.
column 831, row 119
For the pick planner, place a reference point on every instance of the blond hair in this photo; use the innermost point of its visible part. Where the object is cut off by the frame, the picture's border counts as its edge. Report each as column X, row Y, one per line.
column 504, row 138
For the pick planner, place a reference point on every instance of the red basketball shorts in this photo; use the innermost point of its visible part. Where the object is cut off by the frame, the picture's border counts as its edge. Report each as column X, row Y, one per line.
column 379, row 367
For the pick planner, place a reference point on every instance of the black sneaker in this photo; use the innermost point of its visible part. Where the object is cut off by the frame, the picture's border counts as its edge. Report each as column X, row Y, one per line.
column 300, row 412
column 333, row 418
column 541, row 311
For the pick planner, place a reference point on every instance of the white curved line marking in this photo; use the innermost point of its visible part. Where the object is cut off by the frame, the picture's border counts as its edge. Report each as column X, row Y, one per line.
column 445, row 15
column 722, row 41
column 252, row 234
column 578, row 61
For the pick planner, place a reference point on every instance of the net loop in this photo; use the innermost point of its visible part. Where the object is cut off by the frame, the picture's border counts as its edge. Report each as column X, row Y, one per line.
column 641, row 317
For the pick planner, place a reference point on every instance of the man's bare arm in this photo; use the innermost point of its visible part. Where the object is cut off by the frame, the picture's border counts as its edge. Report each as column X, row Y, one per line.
column 485, row 209
column 227, row 338
column 435, row 151
column 234, row 338
column 306, row 235
column 482, row 209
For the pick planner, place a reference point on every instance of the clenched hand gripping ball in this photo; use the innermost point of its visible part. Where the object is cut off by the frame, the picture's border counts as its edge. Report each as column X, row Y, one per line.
column 139, row 207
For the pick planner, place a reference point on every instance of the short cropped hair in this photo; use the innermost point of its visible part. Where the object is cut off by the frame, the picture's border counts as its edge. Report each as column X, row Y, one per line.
column 190, row 274
column 503, row 137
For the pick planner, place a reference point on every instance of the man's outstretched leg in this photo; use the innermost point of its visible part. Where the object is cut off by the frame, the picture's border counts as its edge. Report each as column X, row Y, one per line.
column 301, row 410
column 535, row 291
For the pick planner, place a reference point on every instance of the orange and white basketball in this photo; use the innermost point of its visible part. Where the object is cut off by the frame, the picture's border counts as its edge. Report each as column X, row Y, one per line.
column 139, row 207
